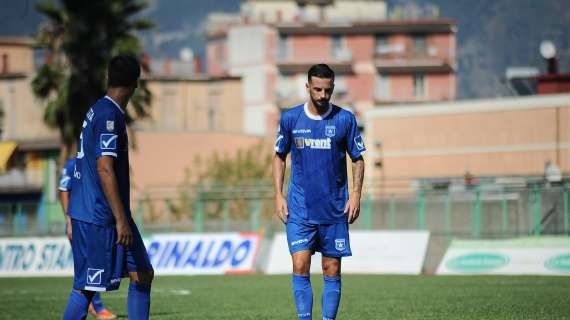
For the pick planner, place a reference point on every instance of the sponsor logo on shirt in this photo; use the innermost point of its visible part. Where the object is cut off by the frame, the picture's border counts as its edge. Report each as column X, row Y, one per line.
column 313, row 143
column 298, row 242
column 330, row 131
column 108, row 141
column 340, row 244
column 296, row 131
column 94, row 275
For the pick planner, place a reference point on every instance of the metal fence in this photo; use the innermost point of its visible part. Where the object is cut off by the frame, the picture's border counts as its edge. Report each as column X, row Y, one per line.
column 478, row 212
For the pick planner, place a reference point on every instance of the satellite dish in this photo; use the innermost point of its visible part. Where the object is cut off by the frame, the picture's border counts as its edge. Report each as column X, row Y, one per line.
column 547, row 49
column 186, row 54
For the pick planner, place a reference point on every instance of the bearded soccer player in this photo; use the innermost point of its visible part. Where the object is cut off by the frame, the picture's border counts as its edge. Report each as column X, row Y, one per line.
column 106, row 243
column 318, row 208
column 96, row 308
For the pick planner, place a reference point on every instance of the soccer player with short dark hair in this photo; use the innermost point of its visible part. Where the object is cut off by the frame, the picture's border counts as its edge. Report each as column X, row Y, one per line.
column 96, row 307
column 318, row 208
column 106, row 243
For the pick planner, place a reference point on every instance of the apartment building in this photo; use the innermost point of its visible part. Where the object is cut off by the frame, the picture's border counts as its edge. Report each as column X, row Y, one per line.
column 378, row 60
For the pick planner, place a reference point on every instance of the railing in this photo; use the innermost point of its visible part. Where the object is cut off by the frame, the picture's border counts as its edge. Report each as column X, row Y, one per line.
column 476, row 212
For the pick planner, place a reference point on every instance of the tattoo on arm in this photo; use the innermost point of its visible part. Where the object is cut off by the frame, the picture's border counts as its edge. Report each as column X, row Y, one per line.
column 357, row 175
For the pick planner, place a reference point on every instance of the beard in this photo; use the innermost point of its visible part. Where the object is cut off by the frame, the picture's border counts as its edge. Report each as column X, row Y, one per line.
column 320, row 104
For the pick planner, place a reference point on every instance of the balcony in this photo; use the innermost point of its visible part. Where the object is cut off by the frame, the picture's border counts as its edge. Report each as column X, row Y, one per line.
column 396, row 58
column 340, row 61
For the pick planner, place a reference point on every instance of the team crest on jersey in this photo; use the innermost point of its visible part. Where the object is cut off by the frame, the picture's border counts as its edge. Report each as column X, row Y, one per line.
column 110, row 125
column 300, row 143
column 94, row 275
column 340, row 244
column 330, row 131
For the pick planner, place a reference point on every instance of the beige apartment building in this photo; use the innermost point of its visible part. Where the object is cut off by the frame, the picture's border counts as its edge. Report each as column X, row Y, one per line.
column 515, row 136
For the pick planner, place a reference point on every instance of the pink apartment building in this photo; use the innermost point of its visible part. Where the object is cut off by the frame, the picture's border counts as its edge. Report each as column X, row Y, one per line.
column 378, row 61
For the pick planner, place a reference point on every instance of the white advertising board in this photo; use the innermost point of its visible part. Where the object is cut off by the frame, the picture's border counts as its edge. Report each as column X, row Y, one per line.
column 373, row 252
column 524, row 256
column 181, row 254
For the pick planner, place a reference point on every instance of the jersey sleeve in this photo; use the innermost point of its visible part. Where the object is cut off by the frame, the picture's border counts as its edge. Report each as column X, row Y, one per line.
column 65, row 178
column 355, row 144
column 283, row 140
column 106, row 131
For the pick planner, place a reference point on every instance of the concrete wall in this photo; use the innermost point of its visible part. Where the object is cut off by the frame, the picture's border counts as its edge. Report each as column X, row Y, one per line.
column 23, row 112
column 195, row 105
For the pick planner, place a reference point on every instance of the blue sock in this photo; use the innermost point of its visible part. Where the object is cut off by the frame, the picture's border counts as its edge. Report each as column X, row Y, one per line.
column 97, row 303
column 138, row 301
column 331, row 297
column 76, row 306
column 303, row 295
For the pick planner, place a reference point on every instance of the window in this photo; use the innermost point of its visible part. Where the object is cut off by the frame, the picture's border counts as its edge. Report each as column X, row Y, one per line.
column 382, row 45
column 420, row 45
column 336, row 45
column 382, row 89
column 282, row 47
column 419, row 86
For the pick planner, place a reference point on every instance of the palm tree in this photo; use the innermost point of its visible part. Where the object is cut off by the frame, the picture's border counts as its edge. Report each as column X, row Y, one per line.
column 79, row 38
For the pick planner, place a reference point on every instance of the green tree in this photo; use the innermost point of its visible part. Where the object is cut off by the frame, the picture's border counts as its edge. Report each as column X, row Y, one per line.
column 79, row 38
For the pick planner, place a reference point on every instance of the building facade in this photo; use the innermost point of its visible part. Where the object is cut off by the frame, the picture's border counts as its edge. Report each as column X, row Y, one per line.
column 378, row 61
column 506, row 137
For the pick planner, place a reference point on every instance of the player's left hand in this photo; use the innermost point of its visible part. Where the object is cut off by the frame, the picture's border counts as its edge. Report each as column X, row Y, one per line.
column 352, row 208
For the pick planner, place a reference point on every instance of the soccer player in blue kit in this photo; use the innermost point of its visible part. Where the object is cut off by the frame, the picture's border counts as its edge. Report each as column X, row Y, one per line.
column 96, row 307
column 106, row 243
column 318, row 210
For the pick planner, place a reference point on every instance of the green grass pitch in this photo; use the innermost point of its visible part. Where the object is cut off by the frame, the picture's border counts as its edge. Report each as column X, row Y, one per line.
column 269, row 297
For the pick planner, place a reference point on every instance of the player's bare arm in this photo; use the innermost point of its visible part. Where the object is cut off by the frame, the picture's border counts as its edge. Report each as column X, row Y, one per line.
column 111, row 190
column 279, row 165
column 353, row 205
column 64, row 198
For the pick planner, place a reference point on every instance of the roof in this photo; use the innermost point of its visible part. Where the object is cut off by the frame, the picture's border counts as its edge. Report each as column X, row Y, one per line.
column 21, row 41
column 368, row 27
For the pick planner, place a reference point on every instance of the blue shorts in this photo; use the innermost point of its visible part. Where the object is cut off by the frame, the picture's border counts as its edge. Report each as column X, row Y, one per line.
column 331, row 240
column 99, row 263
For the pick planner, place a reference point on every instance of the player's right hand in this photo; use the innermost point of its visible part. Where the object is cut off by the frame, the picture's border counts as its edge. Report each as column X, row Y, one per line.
column 124, row 234
column 281, row 208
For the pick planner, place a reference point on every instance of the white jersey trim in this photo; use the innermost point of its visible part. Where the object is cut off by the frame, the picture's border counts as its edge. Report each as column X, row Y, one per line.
column 315, row 117
column 116, row 104
column 113, row 154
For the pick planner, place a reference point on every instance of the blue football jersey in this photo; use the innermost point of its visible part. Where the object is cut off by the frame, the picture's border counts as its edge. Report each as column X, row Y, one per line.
column 66, row 175
column 318, row 188
column 104, row 133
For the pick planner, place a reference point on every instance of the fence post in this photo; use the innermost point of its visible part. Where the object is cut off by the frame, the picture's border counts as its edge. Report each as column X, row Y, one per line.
column 447, row 213
column 565, row 202
column 226, row 215
column 18, row 220
column 537, row 208
column 139, row 217
column 198, row 214
column 255, row 207
column 366, row 212
column 504, row 213
column 477, row 213
column 421, row 208
column 392, row 213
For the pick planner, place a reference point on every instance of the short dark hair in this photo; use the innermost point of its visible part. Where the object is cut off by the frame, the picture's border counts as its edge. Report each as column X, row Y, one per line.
column 320, row 70
column 123, row 71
